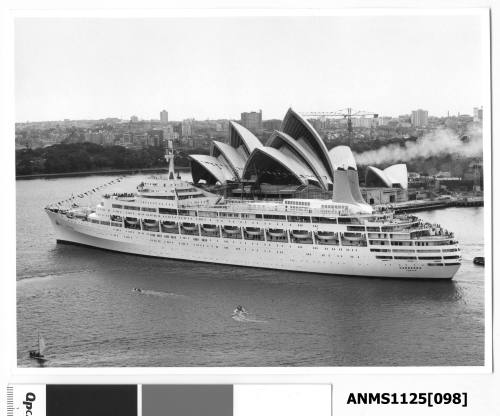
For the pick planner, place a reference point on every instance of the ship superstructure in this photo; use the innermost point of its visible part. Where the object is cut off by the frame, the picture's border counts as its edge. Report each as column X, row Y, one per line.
column 171, row 218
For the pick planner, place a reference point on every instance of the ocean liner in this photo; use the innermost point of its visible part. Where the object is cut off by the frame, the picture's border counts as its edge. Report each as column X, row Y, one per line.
column 172, row 218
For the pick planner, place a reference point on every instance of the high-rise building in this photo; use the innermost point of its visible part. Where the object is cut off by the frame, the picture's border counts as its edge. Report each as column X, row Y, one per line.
column 134, row 119
column 252, row 121
column 164, row 116
column 478, row 114
column 419, row 118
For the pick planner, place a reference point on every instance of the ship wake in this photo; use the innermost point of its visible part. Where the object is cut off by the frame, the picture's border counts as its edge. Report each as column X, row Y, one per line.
column 243, row 318
column 157, row 293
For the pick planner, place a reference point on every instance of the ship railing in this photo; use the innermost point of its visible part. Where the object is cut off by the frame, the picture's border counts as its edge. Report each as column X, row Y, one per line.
column 267, row 206
column 449, row 236
column 406, row 230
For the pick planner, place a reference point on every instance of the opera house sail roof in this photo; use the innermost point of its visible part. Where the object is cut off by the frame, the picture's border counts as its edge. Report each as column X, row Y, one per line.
column 300, row 129
column 294, row 155
column 242, row 139
column 271, row 165
column 342, row 157
column 395, row 176
column 281, row 141
column 210, row 169
column 230, row 155
column 226, row 162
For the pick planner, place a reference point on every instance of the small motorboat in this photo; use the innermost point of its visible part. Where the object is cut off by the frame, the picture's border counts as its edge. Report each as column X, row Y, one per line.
column 240, row 311
column 136, row 289
column 38, row 354
column 478, row 261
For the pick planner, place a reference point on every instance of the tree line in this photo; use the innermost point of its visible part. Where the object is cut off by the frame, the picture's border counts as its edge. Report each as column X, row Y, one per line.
column 83, row 157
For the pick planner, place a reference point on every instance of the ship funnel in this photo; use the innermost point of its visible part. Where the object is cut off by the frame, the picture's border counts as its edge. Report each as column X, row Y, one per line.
column 346, row 189
column 353, row 177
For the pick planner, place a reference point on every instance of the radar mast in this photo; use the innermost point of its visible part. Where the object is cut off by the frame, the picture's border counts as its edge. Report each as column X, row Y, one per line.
column 169, row 157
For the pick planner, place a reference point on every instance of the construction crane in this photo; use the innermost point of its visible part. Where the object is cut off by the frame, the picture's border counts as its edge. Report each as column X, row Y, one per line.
column 346, row 113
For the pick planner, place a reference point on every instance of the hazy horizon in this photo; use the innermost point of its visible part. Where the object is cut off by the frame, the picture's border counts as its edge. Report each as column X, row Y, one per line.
column 148, row 120
column 216, row 68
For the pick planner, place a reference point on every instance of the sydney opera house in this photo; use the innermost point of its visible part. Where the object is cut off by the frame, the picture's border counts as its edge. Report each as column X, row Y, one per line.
column 293, row 162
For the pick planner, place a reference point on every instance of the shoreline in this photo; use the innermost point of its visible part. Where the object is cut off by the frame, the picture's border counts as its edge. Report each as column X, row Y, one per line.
column 97, row 172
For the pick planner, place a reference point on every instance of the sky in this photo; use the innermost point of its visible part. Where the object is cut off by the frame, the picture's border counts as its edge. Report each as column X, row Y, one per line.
column 210, row 68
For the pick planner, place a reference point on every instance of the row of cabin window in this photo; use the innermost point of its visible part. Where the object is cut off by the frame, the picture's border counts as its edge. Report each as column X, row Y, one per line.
column 290, row 218
column 407, row 258
column 408, row 251
column 410, row 243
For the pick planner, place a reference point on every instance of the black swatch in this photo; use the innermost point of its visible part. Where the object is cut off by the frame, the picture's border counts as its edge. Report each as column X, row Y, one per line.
column 91, row 400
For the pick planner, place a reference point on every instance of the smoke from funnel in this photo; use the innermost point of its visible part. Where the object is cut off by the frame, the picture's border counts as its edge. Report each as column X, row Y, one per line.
column 439, row 142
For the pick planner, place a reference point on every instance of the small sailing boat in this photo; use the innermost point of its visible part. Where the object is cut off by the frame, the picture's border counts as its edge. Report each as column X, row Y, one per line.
column 38, row 354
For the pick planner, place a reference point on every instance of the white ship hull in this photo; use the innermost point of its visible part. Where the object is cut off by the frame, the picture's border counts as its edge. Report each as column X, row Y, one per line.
column 325, row 259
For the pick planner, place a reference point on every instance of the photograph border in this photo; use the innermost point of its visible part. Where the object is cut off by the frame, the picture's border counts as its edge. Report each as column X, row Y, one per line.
column 143, row 373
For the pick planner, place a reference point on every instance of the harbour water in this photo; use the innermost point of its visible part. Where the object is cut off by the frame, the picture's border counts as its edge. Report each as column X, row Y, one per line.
column 82, row 301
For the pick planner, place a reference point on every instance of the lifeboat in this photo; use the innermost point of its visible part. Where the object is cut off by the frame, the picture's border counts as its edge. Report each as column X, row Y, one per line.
column 354, row 237
column 300, row 234
column 131, row 221
column 209, row 228
column 116, row 218
column 276, row 232
column 189, row 226
column 150, row 223
column 169, row 224
column 325, row 235
column 231, row 229
column 252, row 231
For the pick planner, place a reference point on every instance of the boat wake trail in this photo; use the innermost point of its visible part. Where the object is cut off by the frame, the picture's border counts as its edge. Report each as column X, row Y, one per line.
column 245, row 318
column 157, row 293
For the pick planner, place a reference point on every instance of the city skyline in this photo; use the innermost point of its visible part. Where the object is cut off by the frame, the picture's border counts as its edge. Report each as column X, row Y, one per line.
column 133, row 118
column 98, row 68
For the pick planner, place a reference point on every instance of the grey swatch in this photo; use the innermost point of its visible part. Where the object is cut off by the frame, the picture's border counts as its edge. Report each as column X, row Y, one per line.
column 187, row 400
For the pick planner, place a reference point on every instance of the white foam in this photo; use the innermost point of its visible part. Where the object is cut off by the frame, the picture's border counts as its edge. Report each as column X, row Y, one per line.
column 158, row 293
column 244, row 318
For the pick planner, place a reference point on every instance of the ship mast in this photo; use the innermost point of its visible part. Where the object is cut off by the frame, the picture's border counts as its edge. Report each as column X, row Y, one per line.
column 169, row 157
